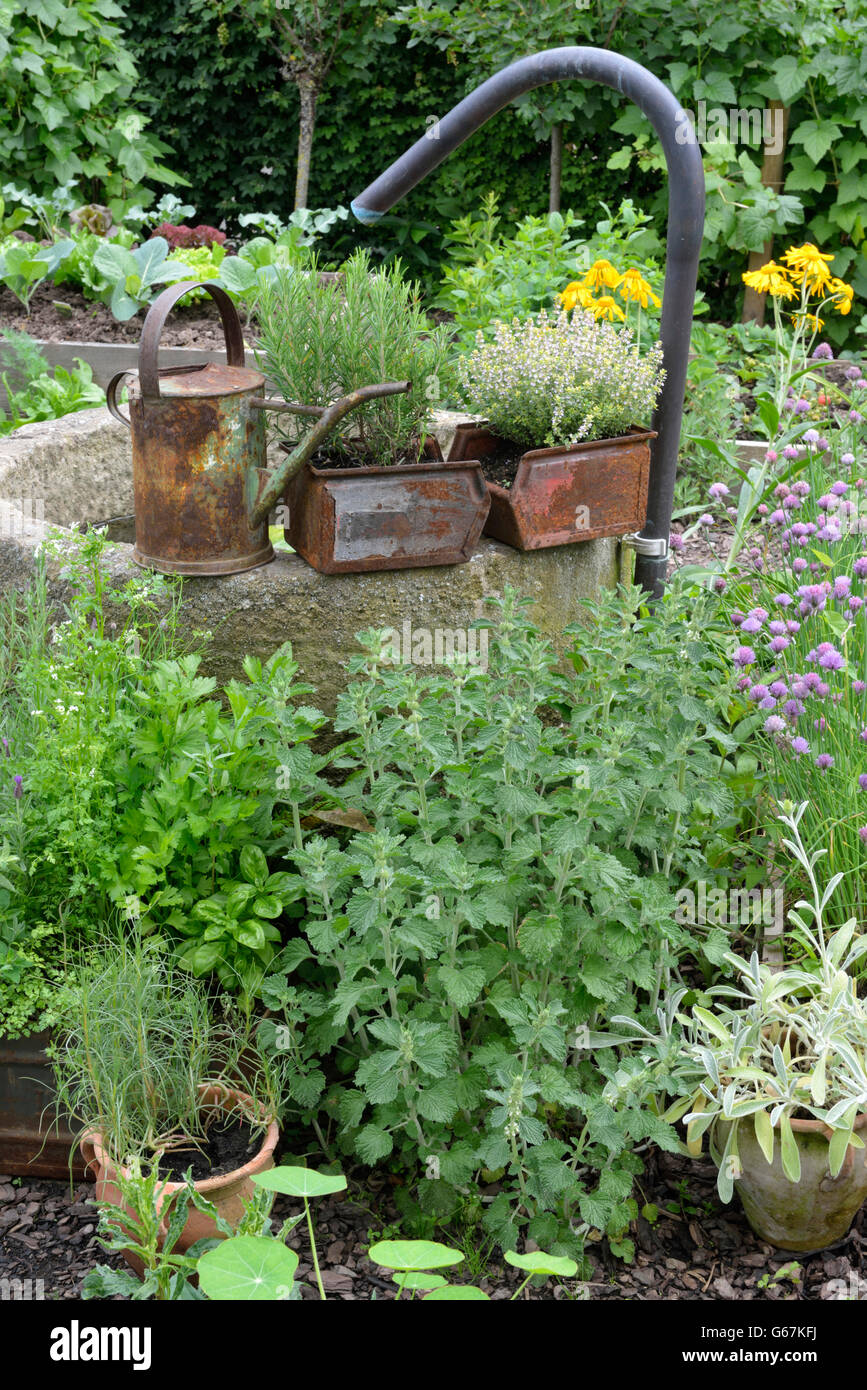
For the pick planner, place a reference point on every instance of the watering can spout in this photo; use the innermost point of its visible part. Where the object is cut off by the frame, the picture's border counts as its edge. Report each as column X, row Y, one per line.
column 268, row 488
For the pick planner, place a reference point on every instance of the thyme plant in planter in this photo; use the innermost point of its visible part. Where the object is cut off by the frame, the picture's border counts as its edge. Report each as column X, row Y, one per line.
column 775, row 1073
column 141, row 1065
column 564, row 457
column 378, row 496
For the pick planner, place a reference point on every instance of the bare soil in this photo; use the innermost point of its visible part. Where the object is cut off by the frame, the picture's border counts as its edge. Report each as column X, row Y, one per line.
column 59, row 313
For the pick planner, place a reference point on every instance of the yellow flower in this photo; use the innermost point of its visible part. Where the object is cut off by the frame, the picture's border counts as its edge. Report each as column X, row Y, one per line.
column 840, row 294
column 633, row 286
column 813, row 320
column 575, row 293
column 808, row 264
column 770, row 279
column 605, row 308
column 602, row 276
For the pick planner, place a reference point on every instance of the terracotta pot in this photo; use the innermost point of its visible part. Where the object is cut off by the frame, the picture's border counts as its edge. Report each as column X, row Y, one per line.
column 564, row 495
column 811, row 1214
column 227, row 1191
column 353, row 520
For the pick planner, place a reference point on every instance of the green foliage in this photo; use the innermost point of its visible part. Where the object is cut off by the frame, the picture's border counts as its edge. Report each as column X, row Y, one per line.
column 381, row 95
column 24, row 265
column 137, row 276
column 493, row 273
column 67, row 112
column 321, row 339
column 35, row 392
column 530, row 830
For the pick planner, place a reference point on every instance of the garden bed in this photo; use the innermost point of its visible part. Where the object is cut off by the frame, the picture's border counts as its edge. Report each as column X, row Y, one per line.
column 90, row 321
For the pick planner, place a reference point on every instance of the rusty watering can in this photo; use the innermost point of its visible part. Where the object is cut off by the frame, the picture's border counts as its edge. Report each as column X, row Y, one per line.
column 201, row 487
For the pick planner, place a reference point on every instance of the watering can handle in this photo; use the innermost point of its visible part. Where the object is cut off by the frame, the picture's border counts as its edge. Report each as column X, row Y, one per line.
column 111, row 397
column 157, row 314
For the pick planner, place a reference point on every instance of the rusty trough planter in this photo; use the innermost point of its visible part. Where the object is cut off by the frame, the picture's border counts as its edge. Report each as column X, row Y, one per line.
column 568, row 494
column 32, row 1144
column 354, row 520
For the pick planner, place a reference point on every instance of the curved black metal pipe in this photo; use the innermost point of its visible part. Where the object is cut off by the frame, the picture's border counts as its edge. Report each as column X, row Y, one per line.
column 685, row 227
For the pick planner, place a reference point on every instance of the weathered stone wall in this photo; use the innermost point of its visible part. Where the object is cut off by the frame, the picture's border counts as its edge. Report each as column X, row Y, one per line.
column 77, row 469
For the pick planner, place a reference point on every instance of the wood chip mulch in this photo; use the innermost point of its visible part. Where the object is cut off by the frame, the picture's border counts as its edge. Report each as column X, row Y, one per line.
column 695, row 1249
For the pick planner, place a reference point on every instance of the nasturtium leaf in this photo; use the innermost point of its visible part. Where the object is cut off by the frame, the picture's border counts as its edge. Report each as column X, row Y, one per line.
column 413, row 1254
column 418, row 1279
column 457, row 1293
column 537, row 1262
column 246, row 1269
column 300, row 1182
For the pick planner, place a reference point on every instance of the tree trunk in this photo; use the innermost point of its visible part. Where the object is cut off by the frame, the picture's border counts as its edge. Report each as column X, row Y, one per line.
column 556, row 168
column 772, row 177
column 306, row 127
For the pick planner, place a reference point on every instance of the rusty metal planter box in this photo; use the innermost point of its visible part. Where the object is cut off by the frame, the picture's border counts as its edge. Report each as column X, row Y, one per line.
column 352, row 520
column 560, row 496
column 32, row 1144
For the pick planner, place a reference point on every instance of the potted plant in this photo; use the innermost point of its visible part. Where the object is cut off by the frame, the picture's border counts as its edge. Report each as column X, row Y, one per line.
column 564, row 458
column 377, row 495
column 141, row 1066
column 775, row 1073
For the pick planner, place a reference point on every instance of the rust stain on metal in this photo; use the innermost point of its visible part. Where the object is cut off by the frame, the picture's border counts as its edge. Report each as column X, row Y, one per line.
column 564, row 495
column 354, row 520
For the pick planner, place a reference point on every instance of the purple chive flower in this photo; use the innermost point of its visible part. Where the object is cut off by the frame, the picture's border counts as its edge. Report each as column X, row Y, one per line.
column 744, row 656
column 855, row 603
column 720, row 585
column 799, row 565
column 758, row 692
column 824, row 762
column 774, row 724
column 771, row 456
column 776, row 628
column 862, row 781
column 779, row 689
column 812, row 680
column 790, row 452
column 863, row 735
column 794, row 709
column 768, row 703
column 801, row 406
column 801, row 488
column 839, row 488
column 777, row 517
column 842, row 585
column 19, row 786
column 718, row 490
column 855, row 417
column 823, row 350
column 751, row 624
column 859, row 687
column 778, row 644
column 862, row 833
column 705, row 519
column 860, row 567
column 783, row 600
column 852, row 372
column 762, row 509
column 800, row 745
column 810, row 437
column 675, row 541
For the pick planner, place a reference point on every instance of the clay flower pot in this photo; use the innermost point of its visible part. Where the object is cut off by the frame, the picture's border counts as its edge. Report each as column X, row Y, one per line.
column 808, row 1215
column 353, row 520
column 560, row 496
column 227, row 1191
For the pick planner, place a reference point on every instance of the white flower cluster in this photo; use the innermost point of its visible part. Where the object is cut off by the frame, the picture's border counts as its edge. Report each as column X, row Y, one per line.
column 560, row 381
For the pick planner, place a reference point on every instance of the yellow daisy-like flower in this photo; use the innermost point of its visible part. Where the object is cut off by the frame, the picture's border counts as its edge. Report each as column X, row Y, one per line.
column 633, row 286
column 602, row 276
column 606, row 308
column 808, row 264
column 575, row 293
column 770, row 279
column 841, row 295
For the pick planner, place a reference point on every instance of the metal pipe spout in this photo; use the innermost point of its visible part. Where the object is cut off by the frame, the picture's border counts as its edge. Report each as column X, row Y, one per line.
column 684, row 234
column 268, row 489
